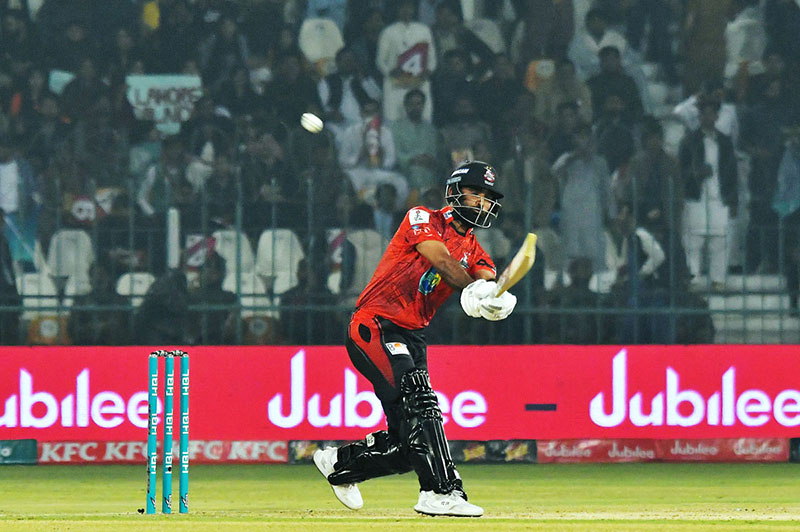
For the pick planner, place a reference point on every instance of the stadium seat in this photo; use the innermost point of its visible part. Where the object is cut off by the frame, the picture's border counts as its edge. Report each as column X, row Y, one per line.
column 369, row 246
column 38, row 290
column 277, row 256
column 134, row 285
column 252, row 293
column 319, row 40
column 70, row 255
column 225, row 244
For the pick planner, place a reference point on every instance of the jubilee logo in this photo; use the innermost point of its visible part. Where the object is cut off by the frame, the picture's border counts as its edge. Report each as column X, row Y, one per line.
column 468, row 408
column 681, row 406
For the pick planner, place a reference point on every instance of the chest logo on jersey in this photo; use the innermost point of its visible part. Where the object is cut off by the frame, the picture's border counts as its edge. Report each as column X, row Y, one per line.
column 465, row 261
column 429, row 281
column 397, row 348
column 418, row 216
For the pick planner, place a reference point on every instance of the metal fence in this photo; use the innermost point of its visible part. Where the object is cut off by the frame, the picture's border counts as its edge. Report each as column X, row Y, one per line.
column 289, row 272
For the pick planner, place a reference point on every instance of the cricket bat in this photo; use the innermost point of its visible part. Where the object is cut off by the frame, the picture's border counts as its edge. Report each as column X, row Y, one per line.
column 519, row 265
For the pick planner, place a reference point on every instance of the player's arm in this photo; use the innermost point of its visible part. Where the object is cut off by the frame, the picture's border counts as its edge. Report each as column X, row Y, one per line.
column 449, row 268
column 472, row 291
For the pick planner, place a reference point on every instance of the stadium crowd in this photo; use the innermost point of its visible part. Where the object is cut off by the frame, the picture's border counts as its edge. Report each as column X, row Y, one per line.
column 653, row 145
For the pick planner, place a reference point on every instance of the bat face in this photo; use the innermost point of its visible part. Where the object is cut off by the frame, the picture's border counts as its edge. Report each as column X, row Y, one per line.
column 519, row 265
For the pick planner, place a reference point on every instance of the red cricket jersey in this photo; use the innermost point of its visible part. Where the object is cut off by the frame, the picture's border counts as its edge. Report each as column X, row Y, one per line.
column 405, row 288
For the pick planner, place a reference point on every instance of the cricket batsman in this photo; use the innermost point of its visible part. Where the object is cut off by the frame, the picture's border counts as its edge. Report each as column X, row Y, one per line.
column 432, row 254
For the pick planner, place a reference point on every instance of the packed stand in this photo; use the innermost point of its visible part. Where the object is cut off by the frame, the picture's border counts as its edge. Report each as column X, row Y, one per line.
column 157, row 186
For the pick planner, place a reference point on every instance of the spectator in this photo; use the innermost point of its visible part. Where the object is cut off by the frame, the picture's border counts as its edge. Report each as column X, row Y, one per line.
column 237, row 95
column 20, row 47
column 301, row 323
column 449, row 33
column 418, row 146
column 177, row 37
column 217, row 326
column 499, row 96
column 563, row 325
column 703, row 41
column 222, row 52
column 782, row 19
column 163, row 316
column 49, row 132
column 9, row 297
column 386, row 215
column 654, row 189
column 745, row 40
column 269, row 187
column 20, row 201
column 406, row 57
column 614, row 135
column 584, row 184
column 124, row 57
column 544, row 31
column 467, row 136
column 165, row 183
column 585, row 46
column 82, row 92
column 649, row 33
column 292, row 91
column 689, row 113
column 104, row 326
column 221, row 190
column 562, row 138
column 531, row 186
column 367, row 154
column 451, row 81
column 612, row 79
column 364, row 41
column 343, row 92
column 762, row 138
column 709, row 173
column 563, row 87
column 787, row 206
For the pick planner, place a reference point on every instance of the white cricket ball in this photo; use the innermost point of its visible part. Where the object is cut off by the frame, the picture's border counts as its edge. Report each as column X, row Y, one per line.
column 311, row 122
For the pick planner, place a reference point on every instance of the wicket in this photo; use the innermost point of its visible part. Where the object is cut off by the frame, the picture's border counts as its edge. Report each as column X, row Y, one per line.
column 152, row 430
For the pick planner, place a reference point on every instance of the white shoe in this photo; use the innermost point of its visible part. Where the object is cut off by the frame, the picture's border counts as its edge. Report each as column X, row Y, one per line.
column 348, row 494
column 432, row 503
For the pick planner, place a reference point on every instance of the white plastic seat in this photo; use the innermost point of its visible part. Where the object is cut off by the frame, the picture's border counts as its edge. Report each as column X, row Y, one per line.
column 134, row 285
column 369, row 246
column 277, row 257
column 225, row 244
column 75, row 287
column 252, row 292
column 38, row 290
column 319, row 39
column 70, row 254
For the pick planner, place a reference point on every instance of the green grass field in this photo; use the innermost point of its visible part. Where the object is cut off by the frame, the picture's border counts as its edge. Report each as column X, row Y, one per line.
column 599, row 497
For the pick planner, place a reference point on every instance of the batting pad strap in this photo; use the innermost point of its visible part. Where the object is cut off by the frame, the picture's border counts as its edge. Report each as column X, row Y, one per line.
column 418, row 396
column 377, row 455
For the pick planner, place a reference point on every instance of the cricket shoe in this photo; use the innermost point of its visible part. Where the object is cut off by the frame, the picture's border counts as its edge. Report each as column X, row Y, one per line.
column 432, row 503
column 348, row 494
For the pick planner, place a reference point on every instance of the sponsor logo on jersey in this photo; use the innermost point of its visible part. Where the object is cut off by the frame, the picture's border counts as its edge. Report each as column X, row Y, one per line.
column 397, row 348
column 418, row 216
column 465, row 261
column 429, row 281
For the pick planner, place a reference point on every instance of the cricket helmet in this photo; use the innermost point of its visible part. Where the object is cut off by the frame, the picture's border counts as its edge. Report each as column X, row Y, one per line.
column 475, row 175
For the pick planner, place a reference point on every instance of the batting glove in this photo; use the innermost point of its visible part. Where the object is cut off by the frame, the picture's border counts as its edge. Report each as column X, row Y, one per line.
column 497, row 308
column 472, row 295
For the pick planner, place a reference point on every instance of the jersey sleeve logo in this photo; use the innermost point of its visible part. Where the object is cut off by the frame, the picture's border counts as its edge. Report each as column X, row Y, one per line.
column 429, row 281
column 418, row 216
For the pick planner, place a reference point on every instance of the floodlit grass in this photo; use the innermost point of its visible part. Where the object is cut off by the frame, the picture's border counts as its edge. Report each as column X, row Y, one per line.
column 598, row 497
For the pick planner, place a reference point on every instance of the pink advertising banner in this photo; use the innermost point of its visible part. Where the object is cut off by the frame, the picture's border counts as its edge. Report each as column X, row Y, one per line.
column 281, row 393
